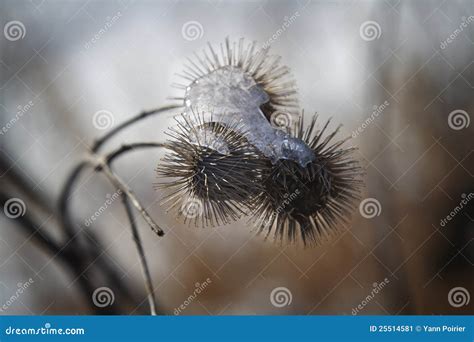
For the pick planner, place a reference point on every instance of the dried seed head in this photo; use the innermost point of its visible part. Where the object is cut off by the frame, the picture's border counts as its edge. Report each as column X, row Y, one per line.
column 309, row 203
column 216, row 171
column 239, row 68
column 251, row 86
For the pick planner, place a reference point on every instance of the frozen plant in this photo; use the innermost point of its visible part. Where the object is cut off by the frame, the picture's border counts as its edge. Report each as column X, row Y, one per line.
column 225, row 155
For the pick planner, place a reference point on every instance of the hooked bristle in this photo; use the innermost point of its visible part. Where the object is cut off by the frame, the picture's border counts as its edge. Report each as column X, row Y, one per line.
column 265, row 70
column 216, row 171
column 309, row 203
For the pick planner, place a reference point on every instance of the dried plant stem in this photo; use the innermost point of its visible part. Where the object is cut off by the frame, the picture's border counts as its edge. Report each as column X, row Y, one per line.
column 120, row 184
column 141, row 255
column 79, row 168
column 74, row 256
column 102, row 164
column 110, row 157
column 29, row 226
column 66, row 219
column 128, row 196
column 99, row 142
column 69, row 227
column 135, row 234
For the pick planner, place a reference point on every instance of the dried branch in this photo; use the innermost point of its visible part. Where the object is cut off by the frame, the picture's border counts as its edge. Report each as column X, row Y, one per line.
column 28, row 225
column 128, row 196
column 135, row 234
column 78, row 169
column 110, row 157
column 141, row 255
column 116, row 181
column 75, row 257
column 99, row 142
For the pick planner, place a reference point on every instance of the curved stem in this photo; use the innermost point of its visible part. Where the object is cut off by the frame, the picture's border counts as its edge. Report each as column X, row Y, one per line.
column 28, row 224
column 120, row 184
column 69, row 226
column 110, row 157
column 66, row 219
column 66, row 193
column 135, row 234
column 141, row 255
column 71, row 180
column 99, row 142
column 127, row 195
column 73, row 255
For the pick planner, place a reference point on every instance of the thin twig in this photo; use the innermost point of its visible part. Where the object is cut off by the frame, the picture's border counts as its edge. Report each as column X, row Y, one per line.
column 141, row 255
column 120, row 184
column 27, row 223
column 64, row 213
column 66, row 219
column 68, row 225
column 99, row 142
column 102, row 165
column 79, row 256
column 16, row 177
column 44, row 239
column 78, row 169
column 135, row 233
column 109, row 158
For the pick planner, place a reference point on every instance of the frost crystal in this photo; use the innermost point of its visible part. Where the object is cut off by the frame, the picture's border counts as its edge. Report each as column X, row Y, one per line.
column 228, row 92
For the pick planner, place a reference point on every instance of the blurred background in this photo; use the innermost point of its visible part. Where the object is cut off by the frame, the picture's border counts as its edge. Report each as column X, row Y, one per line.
column 399, row 75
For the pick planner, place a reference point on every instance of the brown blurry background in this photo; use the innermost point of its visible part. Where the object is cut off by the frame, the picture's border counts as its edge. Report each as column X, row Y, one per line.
column 75, row 58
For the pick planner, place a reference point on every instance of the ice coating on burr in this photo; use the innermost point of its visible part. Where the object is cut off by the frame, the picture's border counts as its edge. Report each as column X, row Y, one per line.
column 228, row 92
